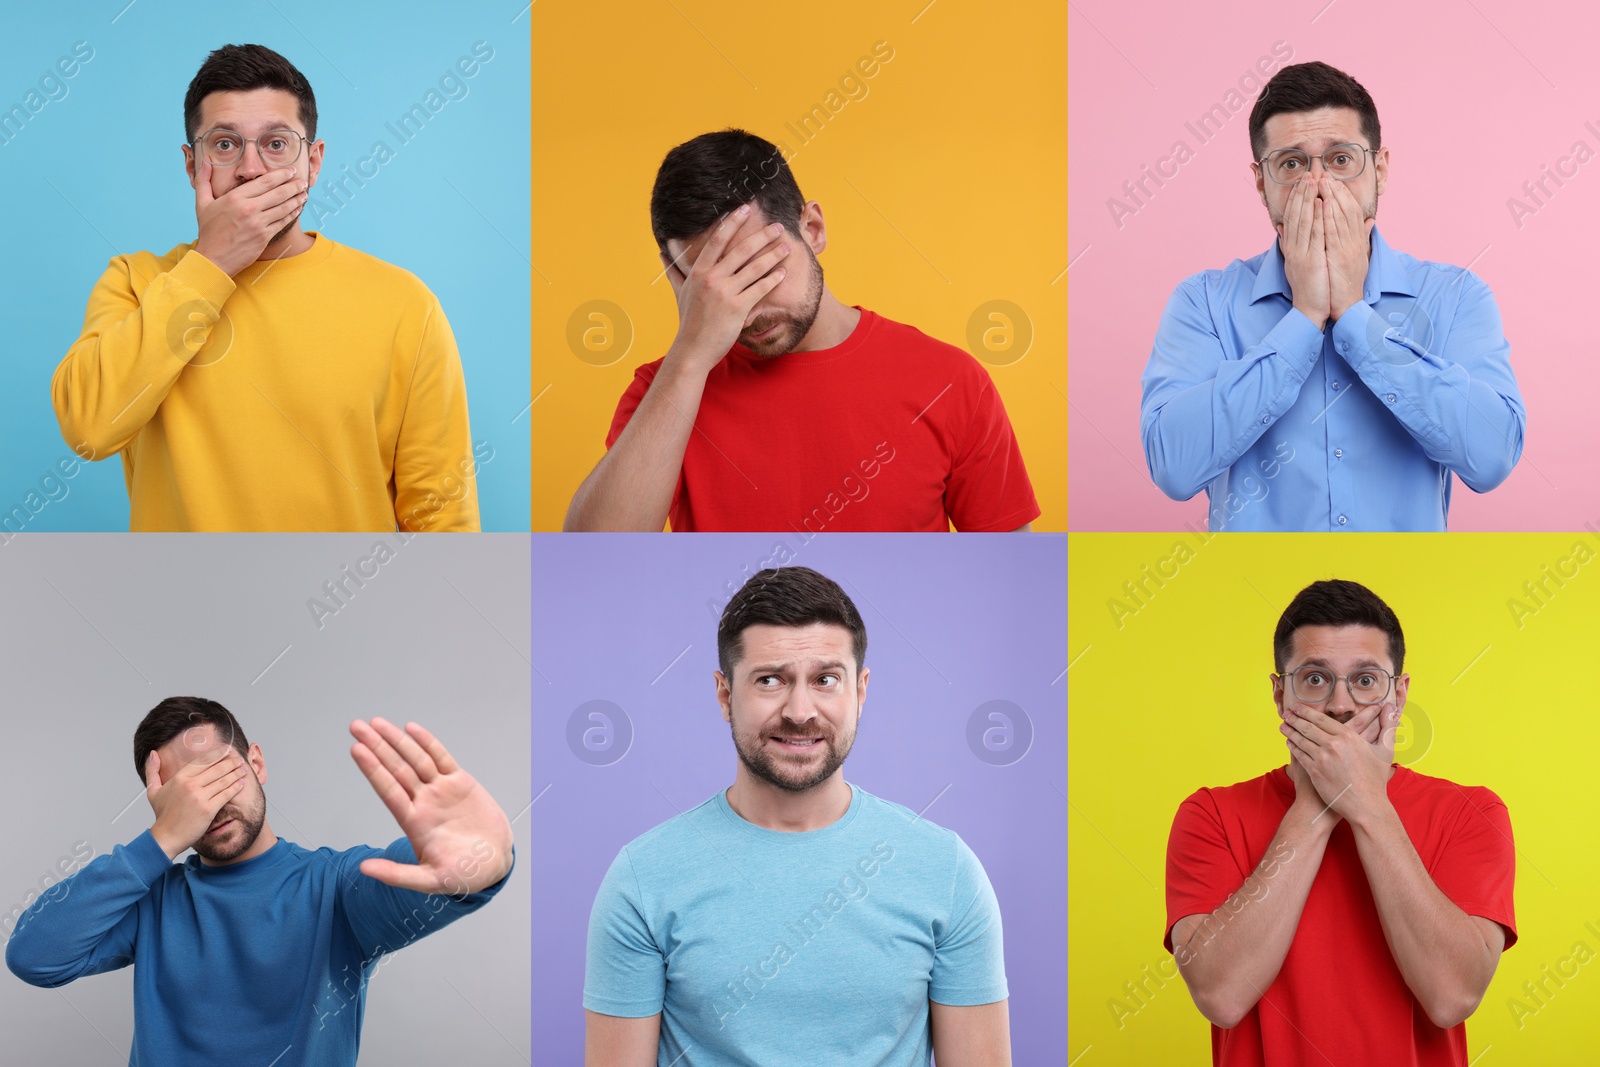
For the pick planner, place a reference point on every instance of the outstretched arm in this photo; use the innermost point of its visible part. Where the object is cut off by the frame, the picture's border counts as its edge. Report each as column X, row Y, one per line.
column 461, row 837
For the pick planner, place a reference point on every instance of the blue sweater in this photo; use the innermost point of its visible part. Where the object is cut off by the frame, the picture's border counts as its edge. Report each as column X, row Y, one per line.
column 262, row 962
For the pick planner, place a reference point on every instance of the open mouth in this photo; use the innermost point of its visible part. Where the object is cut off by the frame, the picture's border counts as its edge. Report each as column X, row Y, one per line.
column 797, row 744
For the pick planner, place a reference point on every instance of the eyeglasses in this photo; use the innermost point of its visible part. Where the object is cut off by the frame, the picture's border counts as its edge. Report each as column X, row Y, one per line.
column 224, row 148
column 1315, row 684
column 1342, row 162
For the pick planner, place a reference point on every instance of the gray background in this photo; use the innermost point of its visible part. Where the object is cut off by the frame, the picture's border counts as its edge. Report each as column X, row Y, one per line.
column 97, row 628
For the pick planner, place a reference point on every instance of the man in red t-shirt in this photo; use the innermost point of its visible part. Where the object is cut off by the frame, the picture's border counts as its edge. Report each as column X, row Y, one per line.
column 1342, row 910
column 778, row 407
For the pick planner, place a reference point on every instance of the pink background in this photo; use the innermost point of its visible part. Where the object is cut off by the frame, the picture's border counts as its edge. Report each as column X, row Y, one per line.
column 1518, row 80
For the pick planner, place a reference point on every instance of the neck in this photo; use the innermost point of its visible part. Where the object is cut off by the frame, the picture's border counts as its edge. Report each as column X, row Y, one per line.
column 764, row 804
column 834, row 324
column 292, row 243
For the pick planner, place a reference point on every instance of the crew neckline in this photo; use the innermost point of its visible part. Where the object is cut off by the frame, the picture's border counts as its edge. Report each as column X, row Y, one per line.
column 321, row 248
column 1399, row 781
column 820, row 833
column 858, row 338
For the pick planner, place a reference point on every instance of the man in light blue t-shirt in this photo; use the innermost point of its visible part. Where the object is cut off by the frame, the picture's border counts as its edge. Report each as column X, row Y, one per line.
column 794, row 918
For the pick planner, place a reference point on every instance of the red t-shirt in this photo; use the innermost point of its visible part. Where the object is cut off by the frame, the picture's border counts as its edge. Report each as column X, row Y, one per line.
column 890, row 430
column 1340, row 997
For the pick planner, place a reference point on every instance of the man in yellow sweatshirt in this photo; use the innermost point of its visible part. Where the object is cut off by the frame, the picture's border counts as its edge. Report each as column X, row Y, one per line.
column 263, row 377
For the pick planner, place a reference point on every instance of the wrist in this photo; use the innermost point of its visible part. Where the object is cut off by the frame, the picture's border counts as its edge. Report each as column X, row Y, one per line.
column 1373, row 816
column 687, row 364
column 1318, row 319
column 167, row 841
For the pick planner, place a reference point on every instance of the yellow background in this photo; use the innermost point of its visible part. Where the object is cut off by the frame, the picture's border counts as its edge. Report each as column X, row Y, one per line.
column 1178, row 697
column 957, row 153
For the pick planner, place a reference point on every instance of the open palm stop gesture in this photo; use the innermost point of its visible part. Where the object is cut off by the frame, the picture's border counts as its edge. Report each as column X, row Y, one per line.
column 460, row 835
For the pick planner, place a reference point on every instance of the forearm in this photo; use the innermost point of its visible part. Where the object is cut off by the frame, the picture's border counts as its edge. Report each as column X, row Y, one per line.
column 1472, row 423
column 64, row 934
column 632, row 486
column 1439, row 949
column 1196, row 428
column 115, row 377
column 1230, row 958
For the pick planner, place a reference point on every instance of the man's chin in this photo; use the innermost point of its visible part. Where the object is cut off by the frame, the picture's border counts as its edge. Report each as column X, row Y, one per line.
column 779, row 344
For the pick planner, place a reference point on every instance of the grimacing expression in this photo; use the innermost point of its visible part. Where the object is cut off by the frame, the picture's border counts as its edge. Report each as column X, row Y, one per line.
column 251, row 113
column 235, row 827
column 1314, row 132
column 1341, row 650
column 793, row 702
column 785, row 315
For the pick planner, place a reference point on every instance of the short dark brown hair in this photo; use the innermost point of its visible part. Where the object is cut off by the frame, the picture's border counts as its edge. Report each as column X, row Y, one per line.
column 240, row 68
column 787, row 596
column 173, row 716
column 1307, row 87
column 1336, row 602
column 703, row 179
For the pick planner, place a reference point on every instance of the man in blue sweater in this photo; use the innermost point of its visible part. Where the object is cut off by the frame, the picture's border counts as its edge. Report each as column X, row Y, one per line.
column 256, row 950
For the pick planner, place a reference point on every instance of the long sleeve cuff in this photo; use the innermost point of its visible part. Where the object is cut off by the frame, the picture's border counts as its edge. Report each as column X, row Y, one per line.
column 146, row 858
column 210, row 281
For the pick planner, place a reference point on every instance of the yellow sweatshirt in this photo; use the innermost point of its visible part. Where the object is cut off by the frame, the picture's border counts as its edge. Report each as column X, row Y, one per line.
column 322, row 391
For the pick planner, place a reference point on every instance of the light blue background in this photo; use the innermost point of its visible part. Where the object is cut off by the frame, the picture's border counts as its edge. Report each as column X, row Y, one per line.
column 99, row 171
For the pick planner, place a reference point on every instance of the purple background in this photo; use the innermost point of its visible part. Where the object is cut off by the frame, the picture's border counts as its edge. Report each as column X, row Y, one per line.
column 952, row 622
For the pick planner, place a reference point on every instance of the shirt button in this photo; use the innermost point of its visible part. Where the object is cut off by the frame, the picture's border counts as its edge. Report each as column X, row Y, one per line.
column 1343, row 520
column 1391, row 398
column 1265, row 419
column 1344, row 346
column 1338, row 453
column 1336, row 387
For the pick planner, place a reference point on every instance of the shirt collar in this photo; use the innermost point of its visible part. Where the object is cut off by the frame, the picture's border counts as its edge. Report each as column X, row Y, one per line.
column 1385, row 274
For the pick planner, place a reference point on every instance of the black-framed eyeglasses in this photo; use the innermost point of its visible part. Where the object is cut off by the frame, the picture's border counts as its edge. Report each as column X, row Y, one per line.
column 1342, row 162
column 224, row 148
column 1369, row 685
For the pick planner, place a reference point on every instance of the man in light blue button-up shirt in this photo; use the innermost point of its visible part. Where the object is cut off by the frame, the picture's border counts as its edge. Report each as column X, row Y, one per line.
column 1331, row 382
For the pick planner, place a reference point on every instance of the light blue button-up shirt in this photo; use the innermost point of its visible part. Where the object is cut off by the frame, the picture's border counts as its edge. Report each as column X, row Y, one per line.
column 1359, row 428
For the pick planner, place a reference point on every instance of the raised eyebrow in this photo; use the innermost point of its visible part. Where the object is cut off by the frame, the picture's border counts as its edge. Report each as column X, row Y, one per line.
column 264, row 127
column 1318, row 661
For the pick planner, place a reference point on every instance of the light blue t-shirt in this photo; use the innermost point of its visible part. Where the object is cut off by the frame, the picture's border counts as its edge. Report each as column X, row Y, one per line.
column 762, row 949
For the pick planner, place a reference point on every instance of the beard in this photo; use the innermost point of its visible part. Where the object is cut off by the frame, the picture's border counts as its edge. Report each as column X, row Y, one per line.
column 248, row 819
column 787, row 772
column 792, row 327
column 288, row 228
